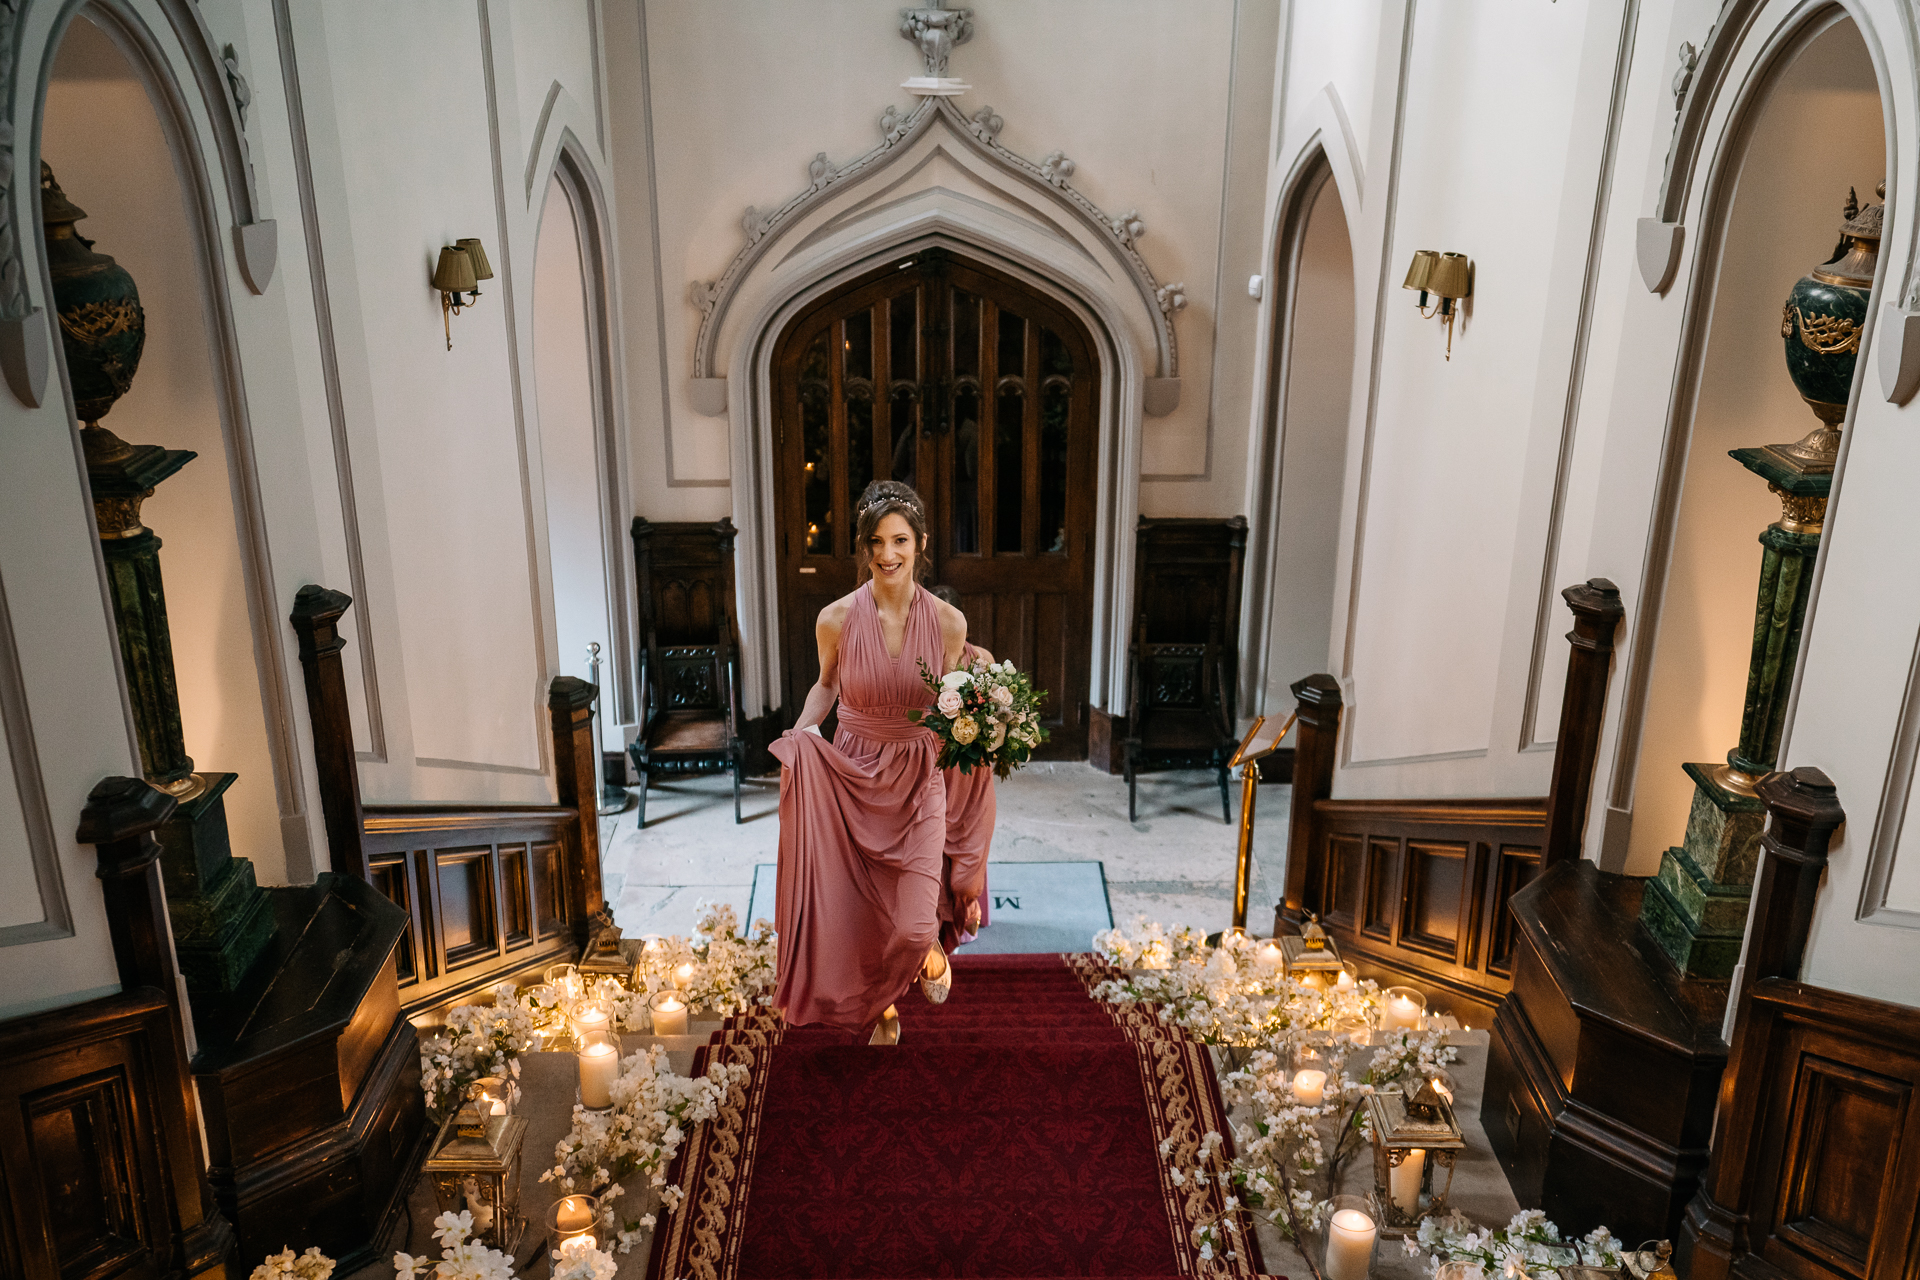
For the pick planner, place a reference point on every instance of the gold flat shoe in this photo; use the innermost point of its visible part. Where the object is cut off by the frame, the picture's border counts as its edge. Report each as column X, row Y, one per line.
column 936, row 990
column 888, row 1031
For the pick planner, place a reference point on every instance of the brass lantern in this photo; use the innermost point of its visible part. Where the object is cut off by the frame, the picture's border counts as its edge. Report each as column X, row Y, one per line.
column 607, row 956
column 476, row 1166
column 1413, row 1139
column 1312, row 952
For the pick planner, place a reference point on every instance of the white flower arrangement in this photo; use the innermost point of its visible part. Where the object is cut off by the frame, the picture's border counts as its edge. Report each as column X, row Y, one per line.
column 284, row 1265
column 718, row 969
column 1529, row 1245
column 477, row 1041
column 580, row 1259
column 460, row 1258
column 653, row 1111
column 1150, row 946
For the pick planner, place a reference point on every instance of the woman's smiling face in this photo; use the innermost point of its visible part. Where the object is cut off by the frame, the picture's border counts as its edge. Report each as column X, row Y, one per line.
column 892, row 549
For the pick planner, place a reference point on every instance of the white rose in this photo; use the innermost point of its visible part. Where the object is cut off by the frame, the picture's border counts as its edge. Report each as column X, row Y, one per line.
column 955, row 679
column 949, row 702
column 1002, row 696
column 998, row 736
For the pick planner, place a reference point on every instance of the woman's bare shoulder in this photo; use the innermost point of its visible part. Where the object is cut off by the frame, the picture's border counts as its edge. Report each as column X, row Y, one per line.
column 834, row 616
column 953, row 623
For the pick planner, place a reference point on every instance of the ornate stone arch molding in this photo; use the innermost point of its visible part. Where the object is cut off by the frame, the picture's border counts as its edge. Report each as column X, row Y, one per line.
column 1716, row 86
column 30, row 33
column 936, row 150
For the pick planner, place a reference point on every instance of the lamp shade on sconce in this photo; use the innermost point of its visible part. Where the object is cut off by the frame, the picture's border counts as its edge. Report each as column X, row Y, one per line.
column 454, row 273
column 1421, row 271
column 1451, row 277
column 482, row 269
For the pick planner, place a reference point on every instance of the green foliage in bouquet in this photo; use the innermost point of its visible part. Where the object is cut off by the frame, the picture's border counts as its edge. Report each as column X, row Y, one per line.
column 985, row 716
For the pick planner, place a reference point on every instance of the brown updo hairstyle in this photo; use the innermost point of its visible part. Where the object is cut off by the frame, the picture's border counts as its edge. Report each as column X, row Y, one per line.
column 879, row 500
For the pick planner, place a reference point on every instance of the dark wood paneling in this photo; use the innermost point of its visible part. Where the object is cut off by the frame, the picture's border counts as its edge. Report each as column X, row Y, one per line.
column 1427, row 901
column 81, row 1138
column 1816, row 1159
column 483, row 889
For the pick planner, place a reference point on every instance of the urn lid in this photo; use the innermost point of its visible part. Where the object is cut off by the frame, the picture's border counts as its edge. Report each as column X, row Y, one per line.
column 55, row 208
column 1858, row 252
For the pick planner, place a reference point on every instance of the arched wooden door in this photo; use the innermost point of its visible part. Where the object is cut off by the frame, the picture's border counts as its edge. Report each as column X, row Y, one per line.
column 981, row 394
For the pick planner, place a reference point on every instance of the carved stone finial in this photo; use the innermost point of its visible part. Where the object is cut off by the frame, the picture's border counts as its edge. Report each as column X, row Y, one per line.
column 242, row 94
column 1172, row 297
column 1056, row 168
column 1689, row 59
column 821, row 171
column 1129, row 226
column 938, row 31
column 985, row 124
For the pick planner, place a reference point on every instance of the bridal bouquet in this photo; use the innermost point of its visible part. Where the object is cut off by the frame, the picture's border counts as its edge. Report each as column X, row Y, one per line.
column 985, row 716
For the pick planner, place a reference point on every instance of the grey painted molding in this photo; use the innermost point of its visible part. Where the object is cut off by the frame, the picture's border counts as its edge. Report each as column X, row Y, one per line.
column 1162, row 398
column 540, row 136
column 981, row 130
column 1656, row 247
column 43, row 847
column 708, row 396
column 1898, row 357
column 26, row 354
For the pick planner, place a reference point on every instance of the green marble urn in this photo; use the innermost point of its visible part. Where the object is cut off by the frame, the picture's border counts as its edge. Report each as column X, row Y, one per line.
column 1820, row 326
column 101, row 324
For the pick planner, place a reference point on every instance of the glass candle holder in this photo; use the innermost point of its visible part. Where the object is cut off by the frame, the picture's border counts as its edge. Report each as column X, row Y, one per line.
column 1402, row 1008
column 1459, row 1269
column 589, row 1017
column 1269, row 956
column 1352, row 1240
column 669, row 1009
column 495, row 1095
column 1348, row 979
column 565, row 981
column 683, row 975
column 572, row 1217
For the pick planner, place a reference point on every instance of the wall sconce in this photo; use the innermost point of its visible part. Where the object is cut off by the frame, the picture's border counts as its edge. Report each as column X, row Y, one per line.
column 1448, row 277
column 462, row 266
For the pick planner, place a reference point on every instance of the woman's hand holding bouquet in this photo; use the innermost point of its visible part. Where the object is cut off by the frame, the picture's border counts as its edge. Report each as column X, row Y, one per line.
column 985, row 716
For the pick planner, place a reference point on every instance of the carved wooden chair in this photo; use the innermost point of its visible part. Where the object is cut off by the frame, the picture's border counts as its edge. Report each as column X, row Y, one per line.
column 689, row 670
column 1179, row 713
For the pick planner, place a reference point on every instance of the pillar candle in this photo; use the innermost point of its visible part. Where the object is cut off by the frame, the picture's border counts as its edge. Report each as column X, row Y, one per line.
column 1344, row 982
column 1269, row 956
column 669, row 1015
column 1349, row 1245
column 1403, row 1181
column 589, row 1019
column 572, row 1215
column 684, row 974
column 599, row 1064
column 1309, row 1087
column 1400, row 1012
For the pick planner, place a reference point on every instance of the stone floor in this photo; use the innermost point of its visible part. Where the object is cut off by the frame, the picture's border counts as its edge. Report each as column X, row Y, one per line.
column 1175, row 864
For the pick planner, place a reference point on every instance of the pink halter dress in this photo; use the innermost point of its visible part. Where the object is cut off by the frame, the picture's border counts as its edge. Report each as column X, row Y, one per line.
column 863, row 821
column 970, row 816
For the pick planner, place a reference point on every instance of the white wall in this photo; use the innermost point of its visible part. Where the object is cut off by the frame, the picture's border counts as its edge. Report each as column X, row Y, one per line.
column 570, row 453
column 1313, row 453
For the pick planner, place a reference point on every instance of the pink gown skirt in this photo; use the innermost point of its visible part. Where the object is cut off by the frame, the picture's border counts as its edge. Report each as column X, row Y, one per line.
column 863, row 822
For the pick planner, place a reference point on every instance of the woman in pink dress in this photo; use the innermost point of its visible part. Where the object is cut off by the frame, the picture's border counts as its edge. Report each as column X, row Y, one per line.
column 863, row 820
column 970, row 817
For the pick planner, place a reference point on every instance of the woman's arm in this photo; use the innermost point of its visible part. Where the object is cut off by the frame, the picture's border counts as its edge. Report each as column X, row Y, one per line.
column 953, row 635
column 826, row 690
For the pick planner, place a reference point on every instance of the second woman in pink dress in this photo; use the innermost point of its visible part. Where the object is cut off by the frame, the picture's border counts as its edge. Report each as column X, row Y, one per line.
column 863, row 820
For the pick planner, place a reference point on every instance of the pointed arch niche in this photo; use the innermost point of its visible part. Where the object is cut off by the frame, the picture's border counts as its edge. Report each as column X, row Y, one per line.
column 938, row 178
column 1811, row 125
column 121, row 143
column 1295, row 544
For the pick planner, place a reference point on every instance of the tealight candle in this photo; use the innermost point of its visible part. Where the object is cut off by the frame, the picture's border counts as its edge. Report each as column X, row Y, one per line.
column 684, row 974
column 590, row 1019
column 599, row 1064
column 1403, row 1007
column 669, row 1014
column 1350, row 1236
column 653, row 943
column 1310, row 1087
column 1345, row 981
column 1312, row 980
column 1269, row 955
column 1403, row 1181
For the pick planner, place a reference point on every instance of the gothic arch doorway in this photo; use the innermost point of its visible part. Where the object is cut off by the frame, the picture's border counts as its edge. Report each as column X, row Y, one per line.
column 982, row 394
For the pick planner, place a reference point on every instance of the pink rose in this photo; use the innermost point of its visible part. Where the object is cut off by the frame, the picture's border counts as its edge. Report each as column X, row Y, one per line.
column 949, row 702
column 1002, row 696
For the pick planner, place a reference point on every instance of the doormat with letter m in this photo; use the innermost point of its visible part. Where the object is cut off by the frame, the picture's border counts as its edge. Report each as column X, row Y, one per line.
column 1031, row 907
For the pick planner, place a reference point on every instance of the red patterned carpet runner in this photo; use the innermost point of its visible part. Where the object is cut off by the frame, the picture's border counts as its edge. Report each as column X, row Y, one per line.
column 1014, row 1132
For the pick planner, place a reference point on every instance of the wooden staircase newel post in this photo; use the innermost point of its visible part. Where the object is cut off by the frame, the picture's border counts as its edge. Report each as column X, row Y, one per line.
column 570, row 706
column 1316, row 739
column 316, row 621
column 119, row 821
column 1803, row 811
column 1597, row 612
